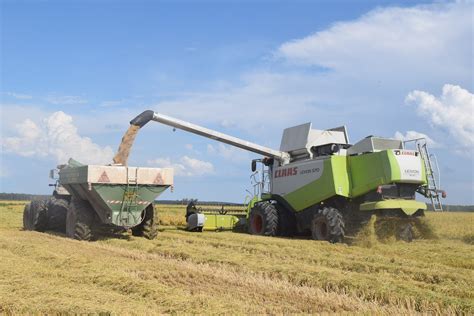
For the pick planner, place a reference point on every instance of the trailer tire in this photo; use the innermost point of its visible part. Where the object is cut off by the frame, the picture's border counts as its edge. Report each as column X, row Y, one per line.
column 328, row 224
column 35, row 216
column 263, row 219
column 79, row 220
column 147, row 228
column 57, row 213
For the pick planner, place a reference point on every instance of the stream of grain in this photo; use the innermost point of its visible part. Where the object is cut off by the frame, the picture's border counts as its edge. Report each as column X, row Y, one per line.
column 121, row 157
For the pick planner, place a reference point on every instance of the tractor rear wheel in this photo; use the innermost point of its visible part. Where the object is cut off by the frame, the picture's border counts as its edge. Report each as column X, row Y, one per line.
column 328, row 225
column 57, row 212
column 147, row 228
column 35, row 216
column 79, row 220
column 263, row 219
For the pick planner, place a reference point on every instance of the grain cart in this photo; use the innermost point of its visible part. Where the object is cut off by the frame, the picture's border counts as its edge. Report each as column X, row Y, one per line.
column 89, row 197
column 320, row 184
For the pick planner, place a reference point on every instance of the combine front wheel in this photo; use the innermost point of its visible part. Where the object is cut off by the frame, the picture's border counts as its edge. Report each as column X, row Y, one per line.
column 263, row 220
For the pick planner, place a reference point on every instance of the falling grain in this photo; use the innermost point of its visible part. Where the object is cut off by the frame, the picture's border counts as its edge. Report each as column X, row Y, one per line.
column 121, row 157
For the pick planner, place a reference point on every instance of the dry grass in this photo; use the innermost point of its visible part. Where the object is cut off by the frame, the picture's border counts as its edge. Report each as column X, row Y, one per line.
column 225, row 272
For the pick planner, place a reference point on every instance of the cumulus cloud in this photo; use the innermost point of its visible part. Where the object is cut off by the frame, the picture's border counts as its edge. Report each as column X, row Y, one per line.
column 453, row 111
column 186, row 166
column 373, row 61
column 414, row 38
column 411, row 135
column 55, row 137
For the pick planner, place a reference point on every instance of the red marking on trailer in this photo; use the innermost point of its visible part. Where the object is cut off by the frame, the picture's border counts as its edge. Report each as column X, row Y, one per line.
column 158, row 179
column 104, row 177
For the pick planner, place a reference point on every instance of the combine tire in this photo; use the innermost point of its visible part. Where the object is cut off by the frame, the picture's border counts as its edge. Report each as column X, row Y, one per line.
column 57, row 212
column 263, row 220
column 147, row 228
column 328, row 225
column 35, row 216
column 405, row 233
column 79, row 220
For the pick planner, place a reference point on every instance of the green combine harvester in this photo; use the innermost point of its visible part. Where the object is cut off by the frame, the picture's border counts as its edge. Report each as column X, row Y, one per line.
column 320, row 184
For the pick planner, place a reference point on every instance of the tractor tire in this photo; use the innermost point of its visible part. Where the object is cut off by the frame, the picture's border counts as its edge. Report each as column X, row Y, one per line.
column 35, row 216
column 147, row 228
column 328, row 224
column 27, row 217
column 286, row 222
column 263, row 220
column 57, row 212
column 79, row 220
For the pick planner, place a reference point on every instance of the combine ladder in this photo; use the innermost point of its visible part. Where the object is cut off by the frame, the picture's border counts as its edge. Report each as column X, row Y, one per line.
column 432, row 190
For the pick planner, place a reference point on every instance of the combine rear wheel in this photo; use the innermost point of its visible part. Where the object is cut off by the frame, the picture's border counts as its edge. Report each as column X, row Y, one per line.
column 263, row 219
column 147, row 228
column 35, row 216
column 405, row 232
column 328, row 225
column 79, row 220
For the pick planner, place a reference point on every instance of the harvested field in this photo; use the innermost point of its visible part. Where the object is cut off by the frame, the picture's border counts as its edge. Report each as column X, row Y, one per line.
column 225, row 272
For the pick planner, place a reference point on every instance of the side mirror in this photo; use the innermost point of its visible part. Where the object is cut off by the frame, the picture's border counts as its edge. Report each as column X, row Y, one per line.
column 254, row 165
column 53, row 174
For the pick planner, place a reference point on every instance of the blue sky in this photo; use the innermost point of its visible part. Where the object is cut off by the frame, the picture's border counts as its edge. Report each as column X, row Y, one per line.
column 73, row 74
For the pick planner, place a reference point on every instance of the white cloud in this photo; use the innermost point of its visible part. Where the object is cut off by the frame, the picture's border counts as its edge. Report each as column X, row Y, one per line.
column 453, row 111
column 186, row 166
column 411, row 135
column 65, row 99
column 56, row 137
column 228, row 153
column 406, row 40
column 19, row 96
column 374, row 60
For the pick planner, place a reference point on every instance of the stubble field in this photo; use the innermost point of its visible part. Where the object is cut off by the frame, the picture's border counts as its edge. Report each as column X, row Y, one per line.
column 182, row 272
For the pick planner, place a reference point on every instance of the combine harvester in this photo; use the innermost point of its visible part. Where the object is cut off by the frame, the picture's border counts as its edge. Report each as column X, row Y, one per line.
column 320, row 184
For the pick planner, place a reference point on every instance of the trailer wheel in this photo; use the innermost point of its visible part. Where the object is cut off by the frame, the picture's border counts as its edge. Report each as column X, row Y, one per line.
column 263, row 219
column 35, row 216
column 328, row 225
column 147, row 228
column 57, row 213
column 79, row 220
